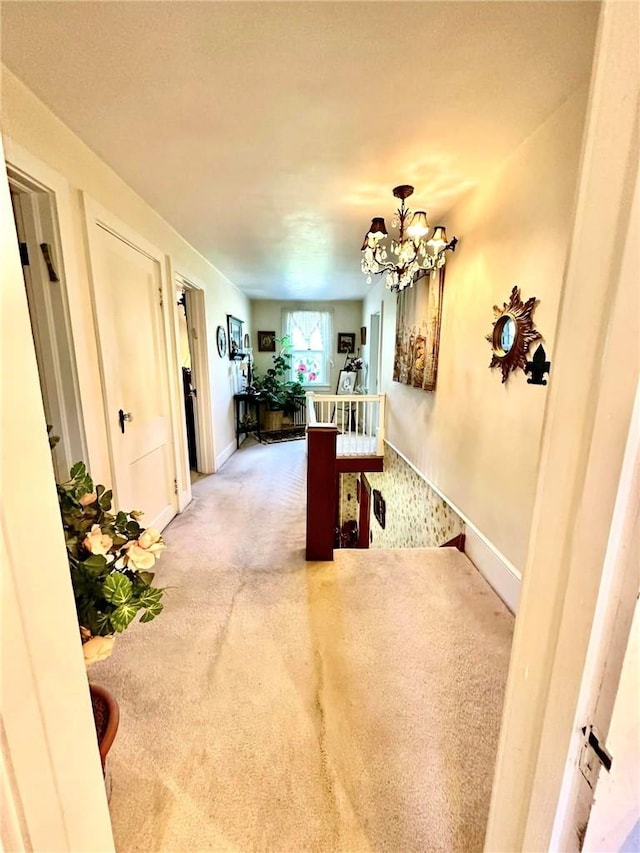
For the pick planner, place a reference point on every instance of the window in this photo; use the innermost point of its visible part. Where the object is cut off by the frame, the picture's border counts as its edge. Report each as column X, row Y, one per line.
column 310, row 334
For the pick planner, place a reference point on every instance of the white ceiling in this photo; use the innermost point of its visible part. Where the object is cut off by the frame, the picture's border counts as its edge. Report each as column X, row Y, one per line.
column 268, row 134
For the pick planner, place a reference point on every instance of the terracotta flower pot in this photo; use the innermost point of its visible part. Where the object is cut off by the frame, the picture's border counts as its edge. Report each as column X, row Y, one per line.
column 106, row 714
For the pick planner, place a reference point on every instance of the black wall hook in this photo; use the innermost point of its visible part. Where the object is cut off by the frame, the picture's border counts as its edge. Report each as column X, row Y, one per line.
column 537, row 367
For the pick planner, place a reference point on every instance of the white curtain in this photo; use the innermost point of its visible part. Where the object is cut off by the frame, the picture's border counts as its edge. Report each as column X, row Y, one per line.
column 308, row 330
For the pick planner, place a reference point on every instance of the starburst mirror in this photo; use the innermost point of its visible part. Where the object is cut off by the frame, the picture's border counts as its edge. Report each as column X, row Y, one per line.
column 513, row 333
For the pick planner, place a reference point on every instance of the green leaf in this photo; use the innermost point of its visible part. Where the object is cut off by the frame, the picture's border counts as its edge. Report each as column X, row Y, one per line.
column 151, row 613
column 121, row 520
column 122, row 616
column 97, row 561
column 146, row 577
column 117, row 589
column 95, row 564
column 100, row 490
column 105, row 500
column 133, row 529
column 149, row 597
column 103, row 624
column 78, row 470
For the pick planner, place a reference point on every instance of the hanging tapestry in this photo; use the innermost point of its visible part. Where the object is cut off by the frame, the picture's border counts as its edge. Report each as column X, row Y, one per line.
column 418, row 314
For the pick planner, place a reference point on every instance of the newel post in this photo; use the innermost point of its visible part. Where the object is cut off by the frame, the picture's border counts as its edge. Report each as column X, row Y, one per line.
column 321, row 491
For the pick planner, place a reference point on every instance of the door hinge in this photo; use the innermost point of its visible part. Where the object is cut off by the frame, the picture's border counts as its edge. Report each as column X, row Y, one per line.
column 161, row 299
column 175, row 487
column 45, row 248
column 593, row 755
column 24, row 254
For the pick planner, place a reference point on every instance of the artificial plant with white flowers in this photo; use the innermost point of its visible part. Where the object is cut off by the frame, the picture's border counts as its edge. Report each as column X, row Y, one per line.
column 109, row 556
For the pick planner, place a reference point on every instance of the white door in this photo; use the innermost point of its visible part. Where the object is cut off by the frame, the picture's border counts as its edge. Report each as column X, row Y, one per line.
column 614, row 823
column 593, row 753
column 128, row 302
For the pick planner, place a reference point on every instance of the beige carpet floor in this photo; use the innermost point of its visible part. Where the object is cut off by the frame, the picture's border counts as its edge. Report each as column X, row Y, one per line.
column 279, row 705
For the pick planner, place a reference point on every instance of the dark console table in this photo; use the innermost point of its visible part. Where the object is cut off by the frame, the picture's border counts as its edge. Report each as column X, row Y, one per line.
column 247, row 415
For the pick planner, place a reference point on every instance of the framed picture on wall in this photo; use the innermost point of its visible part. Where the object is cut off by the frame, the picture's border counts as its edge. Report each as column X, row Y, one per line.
column 346, row 342
column 234, row 326
column 266, row 341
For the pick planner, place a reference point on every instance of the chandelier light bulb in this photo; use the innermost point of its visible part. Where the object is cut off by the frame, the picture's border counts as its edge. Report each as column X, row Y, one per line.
column 378, row 229
column 439, row 237
column 419, row 225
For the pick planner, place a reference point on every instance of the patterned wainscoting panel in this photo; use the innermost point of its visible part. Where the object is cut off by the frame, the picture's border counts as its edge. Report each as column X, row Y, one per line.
column 416, row 517
column 348, row 502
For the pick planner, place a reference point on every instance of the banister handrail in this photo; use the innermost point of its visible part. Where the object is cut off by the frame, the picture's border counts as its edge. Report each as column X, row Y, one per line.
column 360, row 419
column 312, row 419
column 348, row 398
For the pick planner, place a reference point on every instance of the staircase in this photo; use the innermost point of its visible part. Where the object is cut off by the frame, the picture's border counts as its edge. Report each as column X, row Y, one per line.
column 345, row 433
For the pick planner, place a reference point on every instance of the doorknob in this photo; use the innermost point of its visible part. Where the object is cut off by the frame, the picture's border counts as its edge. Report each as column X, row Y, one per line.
column 124, row 416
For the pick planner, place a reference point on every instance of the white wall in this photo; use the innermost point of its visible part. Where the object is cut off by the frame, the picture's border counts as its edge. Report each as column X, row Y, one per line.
column 266, row 315
column 477, row 440
column 32, row 126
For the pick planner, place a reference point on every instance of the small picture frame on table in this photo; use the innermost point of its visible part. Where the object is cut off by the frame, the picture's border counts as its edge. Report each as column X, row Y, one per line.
column 346, row 382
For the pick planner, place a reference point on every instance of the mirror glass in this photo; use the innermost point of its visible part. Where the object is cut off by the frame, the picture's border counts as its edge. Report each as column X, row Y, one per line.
column 507, row 333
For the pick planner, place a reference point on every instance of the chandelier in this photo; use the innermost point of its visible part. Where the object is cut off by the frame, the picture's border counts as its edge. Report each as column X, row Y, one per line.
column 411, row 252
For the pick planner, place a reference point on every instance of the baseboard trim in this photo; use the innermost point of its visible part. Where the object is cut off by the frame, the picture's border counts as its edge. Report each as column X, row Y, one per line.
column 498, row 572
column 221, row 458
column 502, row 575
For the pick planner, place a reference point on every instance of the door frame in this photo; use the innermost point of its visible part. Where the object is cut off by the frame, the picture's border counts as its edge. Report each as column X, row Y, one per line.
column 199, row 347
column 374, row 357
column 97, row 216
column 364, row 514
column 72, row 260
column 592, row 388
column 47, row 734
column 54, row 337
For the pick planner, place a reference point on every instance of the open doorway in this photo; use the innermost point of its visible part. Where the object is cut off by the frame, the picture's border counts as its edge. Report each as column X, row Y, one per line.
column 191, row 336
column 189, row 389
column 34, row 213
column 374, row 353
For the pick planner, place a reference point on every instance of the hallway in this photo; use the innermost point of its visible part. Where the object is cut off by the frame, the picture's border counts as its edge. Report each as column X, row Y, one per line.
column 284, row 706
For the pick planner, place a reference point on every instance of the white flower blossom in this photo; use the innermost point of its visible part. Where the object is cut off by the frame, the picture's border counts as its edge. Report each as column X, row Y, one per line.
column 97, row 542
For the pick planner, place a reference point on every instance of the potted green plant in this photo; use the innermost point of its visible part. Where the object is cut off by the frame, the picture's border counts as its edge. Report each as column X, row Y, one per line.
column 110, row 556
column 281, row 395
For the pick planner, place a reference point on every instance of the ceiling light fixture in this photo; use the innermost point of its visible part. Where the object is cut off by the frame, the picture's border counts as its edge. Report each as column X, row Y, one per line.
column 411, row 252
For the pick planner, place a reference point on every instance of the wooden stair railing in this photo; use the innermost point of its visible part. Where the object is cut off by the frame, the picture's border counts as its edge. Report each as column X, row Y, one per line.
column 321, row 491
column 353, row 427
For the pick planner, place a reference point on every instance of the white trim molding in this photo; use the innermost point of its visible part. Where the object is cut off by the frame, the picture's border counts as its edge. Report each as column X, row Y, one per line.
column 499, row 573
column 221, row 458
